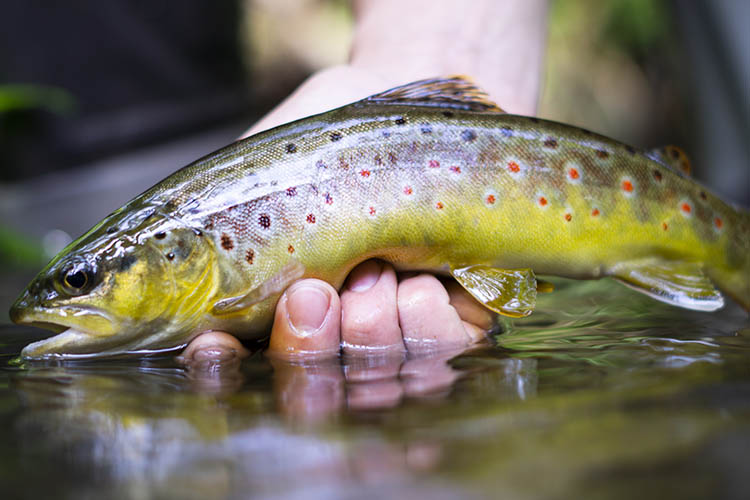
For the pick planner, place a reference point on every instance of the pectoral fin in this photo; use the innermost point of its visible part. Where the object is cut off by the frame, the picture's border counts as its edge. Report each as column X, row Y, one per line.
column 682, row 284
column 276, row 284
column 511, row 292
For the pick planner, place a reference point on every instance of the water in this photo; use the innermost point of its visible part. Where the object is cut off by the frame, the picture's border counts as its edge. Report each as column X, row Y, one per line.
column 601, row 393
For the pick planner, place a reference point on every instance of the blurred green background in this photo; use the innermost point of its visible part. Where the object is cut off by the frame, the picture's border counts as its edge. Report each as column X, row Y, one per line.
column 99, row 102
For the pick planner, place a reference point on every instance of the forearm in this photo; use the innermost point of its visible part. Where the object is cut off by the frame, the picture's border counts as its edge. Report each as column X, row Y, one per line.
column 499, row 44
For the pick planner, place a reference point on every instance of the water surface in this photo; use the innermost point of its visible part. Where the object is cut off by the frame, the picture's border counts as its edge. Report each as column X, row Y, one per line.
column 601, row 393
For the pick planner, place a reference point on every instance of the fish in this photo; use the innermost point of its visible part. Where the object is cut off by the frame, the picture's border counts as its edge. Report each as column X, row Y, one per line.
column 430, row 176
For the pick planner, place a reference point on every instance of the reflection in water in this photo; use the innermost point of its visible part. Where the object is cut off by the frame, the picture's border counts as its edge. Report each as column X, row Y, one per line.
column 599, row 393
column 160, row 429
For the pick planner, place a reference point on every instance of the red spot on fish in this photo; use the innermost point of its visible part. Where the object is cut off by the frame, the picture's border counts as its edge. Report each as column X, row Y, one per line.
column 434, row 164
column 573, row 173
column 226, row 242
column 439, row 205
column 328, row 198
column 685, row 207
column 718, row 222
column 455, row 169
column 664, row 226
column 408, row 190
column 568, row 217
column 290, row 249
column 364, row 173
column 627, row 186
column 514, row 167
column 291, row 191
column 311, row 218
column 595, row 212
column 600, row 153
column 372, row 210
column 490, row 199
column 543, row 201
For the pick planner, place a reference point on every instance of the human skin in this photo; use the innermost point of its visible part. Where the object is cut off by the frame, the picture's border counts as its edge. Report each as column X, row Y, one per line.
column 497, row 44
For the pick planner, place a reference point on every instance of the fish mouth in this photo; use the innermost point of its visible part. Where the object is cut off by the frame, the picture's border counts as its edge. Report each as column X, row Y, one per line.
column 79, row 331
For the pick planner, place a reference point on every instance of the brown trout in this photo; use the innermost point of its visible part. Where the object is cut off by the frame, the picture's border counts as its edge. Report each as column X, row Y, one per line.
column 429, row 176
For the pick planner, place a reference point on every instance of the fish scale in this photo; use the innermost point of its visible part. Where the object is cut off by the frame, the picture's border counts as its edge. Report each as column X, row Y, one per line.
column 429, row 176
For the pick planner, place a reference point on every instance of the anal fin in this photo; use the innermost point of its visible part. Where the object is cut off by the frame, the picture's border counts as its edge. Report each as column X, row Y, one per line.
column 682, row 284
column 276, row 284
column 511, row 292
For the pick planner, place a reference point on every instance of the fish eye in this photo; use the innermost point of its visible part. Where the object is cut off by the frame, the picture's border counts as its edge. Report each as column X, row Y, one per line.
column 77, row 278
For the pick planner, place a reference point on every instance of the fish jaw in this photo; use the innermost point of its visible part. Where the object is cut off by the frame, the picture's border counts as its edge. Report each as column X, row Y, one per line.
column 80, row 330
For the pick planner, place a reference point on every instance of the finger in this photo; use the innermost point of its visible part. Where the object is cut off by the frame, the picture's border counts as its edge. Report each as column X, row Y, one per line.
column 211, row 348
column 427, row 318
column 478, row 320
column 369, row 317
column 307, row 321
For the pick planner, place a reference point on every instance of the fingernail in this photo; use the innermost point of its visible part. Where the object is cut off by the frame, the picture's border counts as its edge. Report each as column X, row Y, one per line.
column 307, row 307
column 365, row 276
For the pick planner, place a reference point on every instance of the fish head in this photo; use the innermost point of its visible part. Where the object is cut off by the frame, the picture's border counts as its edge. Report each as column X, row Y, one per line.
column 138, row 281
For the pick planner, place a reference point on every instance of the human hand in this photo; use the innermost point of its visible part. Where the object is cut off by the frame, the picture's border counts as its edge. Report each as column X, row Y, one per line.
column 376, row 312
column 499, row 44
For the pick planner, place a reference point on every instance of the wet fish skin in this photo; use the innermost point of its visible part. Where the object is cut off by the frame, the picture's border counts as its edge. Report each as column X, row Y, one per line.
column 419, row 182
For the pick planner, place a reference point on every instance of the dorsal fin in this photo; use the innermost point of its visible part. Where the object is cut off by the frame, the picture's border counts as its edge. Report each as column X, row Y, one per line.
column 672, row 157
column 456, row 92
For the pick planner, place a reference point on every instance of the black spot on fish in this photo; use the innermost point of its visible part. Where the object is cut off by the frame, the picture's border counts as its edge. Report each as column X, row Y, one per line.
column 126, row 262
column 273, row 183
column 291, row 148
column 468, row 135
column 226, row 242
column 550, row 142
column 169, row 205
column 291, row 191
column 426, row 128
column 600, row 153
column 264, row 220
column 378, row 160
column 506, row 131
column 630, row 149
column 674, row 152
column 335, row 136
column 657, row 176
column 703, row 195
column 250, row 256
column 160, row 235
column 320, row 164
column 386, row 134
column 170, row 256
column 392, row 158
column 112, row 230
column 448, row 114
column 400, row 120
